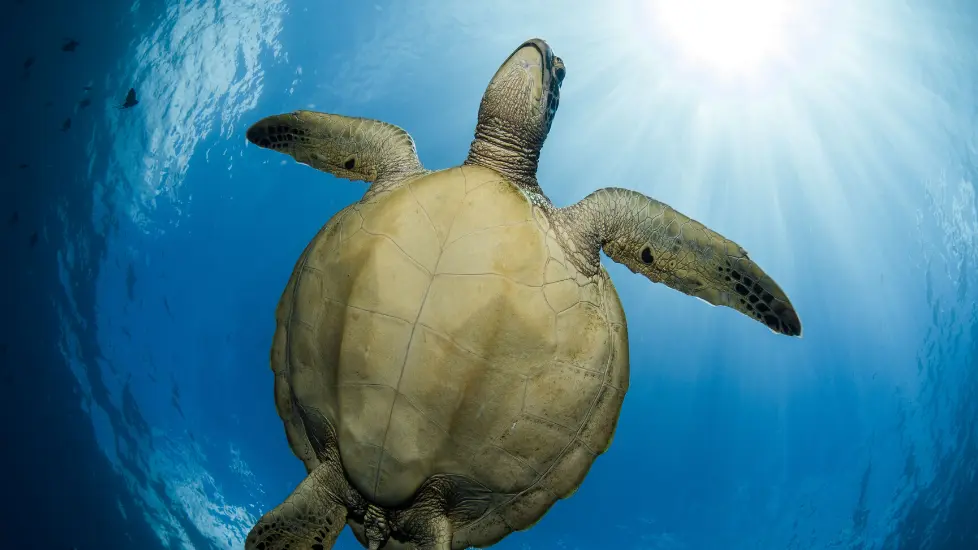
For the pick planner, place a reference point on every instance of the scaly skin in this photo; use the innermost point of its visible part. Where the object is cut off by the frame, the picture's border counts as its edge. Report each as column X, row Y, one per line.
column 516, row 112
column 656, row 241
column 353, row 148
column 645, row 235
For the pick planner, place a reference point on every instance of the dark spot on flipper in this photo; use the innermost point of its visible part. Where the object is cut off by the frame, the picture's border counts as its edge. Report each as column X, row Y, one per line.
column 350, row 164
column 753, row 299
column 647, row 255
column 762, row 307
column 735, row 275
column 317, row 546
column 767, row 298
column 741, row 289
column 787, row 329
column 772, row 322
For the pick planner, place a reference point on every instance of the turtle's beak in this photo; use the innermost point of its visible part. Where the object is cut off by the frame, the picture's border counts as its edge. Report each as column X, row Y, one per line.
column 526, row 88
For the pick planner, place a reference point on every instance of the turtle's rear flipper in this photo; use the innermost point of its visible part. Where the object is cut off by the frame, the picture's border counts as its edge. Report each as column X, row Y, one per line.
column 311, row 518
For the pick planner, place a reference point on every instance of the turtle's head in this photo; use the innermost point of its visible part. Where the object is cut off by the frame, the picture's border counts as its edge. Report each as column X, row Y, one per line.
column 523, row 95
column 517, row 110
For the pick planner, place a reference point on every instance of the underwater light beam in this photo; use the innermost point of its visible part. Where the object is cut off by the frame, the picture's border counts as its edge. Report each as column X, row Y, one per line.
column 731, row 37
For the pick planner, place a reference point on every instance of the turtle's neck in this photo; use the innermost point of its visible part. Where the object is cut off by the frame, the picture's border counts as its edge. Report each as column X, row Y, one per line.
column 506, row 152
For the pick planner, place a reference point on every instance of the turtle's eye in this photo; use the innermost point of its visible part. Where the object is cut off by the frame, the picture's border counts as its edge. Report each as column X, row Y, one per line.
column 559, row 70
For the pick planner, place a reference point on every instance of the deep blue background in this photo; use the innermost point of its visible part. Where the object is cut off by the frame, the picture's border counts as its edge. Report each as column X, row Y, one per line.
column 137, row 398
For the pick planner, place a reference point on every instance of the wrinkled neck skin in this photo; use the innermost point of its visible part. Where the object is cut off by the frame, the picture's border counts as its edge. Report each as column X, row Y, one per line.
column 506, row 152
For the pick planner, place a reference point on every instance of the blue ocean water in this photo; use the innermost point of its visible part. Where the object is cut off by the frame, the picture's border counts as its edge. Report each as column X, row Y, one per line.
column 145, row 249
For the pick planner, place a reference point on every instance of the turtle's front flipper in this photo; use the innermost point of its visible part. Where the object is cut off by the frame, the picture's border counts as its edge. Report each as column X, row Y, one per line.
column 310, row 518
column 358, row 149
column 652, row 239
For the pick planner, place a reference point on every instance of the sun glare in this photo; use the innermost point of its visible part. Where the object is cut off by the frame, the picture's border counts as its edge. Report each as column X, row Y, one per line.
column 731, row 36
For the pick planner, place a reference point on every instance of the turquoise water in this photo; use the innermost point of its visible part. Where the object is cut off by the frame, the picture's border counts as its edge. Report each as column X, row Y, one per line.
column 145, row 250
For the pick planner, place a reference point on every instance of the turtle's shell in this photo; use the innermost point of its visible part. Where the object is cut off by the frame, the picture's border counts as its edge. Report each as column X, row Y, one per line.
column 440, row 329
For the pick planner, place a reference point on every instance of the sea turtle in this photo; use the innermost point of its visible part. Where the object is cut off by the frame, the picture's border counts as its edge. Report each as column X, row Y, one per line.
column 450, row 356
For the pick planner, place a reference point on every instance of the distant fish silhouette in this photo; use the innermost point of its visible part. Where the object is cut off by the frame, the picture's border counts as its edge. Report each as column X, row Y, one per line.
column 28, row 63
column 87, row 88
column 14, row 218
column 66, row 125
column 84, row 103
column 34, row 239
column 131, row 100
column 48, row 103
column 22, row 165
column 70, row 45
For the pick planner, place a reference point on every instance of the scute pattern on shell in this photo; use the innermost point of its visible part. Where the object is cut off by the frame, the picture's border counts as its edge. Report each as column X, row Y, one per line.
column 440, row 328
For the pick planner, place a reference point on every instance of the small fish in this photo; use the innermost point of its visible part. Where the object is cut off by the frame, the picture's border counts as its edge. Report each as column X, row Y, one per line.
column 70, row 45
column 87, row 88
column 23, row 165
column 34, row 239
column 131, row 100
column 14, row 218
column 176, row 405
column 48, row 103
column 84, row 103
column 66, row 125
column 28, row 63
